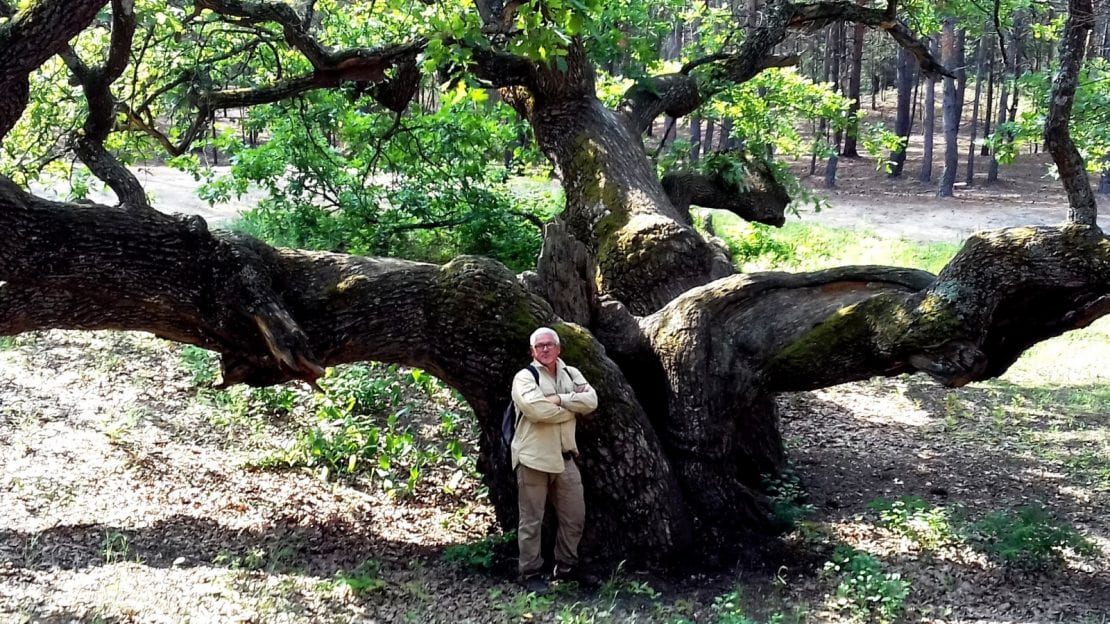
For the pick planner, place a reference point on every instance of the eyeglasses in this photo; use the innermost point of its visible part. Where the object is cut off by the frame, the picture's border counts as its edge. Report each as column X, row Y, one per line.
column 544, row 346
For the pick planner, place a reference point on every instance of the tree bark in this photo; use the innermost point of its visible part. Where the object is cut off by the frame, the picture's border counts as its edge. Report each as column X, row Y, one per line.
column 953, row 44
column 979, row 52
column 850, row 148
column 1082, row 206
column 928, row 128
column 906, row 73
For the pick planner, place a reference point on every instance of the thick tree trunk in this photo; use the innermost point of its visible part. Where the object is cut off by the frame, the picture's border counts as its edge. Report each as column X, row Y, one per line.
column 617, row 207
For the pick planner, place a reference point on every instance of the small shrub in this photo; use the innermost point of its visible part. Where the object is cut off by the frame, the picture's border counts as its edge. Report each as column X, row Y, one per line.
column 864, row 589
column 201, row 363
column 914, row 518
column 787, row 495
column 1028, row 538
column 8, row 342
column 728, row 609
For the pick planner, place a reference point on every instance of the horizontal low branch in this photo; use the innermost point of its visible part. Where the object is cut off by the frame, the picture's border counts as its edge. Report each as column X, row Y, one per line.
column 1004, row 291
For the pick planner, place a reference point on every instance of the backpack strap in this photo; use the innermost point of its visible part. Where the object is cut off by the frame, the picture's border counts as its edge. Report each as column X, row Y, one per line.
column 520, row 414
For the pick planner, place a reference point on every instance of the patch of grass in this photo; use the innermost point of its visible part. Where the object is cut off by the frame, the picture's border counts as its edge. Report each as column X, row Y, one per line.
column 915, row 519
column 8, row 343
column 863, row 588
column 523, row 605
column 478, row 555
column 619, row 584
column 1028, row 538
column 810, row 247
column 115, row 547
column 364, row 579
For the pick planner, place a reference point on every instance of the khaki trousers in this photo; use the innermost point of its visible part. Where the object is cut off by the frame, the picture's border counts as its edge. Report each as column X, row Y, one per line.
column 534, row 489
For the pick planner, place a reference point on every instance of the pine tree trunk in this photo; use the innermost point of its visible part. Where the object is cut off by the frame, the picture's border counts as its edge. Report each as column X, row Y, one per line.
column 835, row 51
column 988, row 117
column 850, row 148
column 953, row 54
column 906, row 72
column 979, row 52
column 1003, row 91
column 928, row 127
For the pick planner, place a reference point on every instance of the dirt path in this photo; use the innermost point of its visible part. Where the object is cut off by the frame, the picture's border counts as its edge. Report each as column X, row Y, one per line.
column 864, row 198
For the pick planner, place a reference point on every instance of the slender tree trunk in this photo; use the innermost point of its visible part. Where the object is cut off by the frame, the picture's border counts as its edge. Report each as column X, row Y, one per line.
column 1003, row 90
column 710, row 129
column 987, row 117
column 837, row 34
column 850, row 148
column 979, row 52
column 695, row 138
column 953, row 46
column 725, row 135
column 928, row 127
column 906, row 72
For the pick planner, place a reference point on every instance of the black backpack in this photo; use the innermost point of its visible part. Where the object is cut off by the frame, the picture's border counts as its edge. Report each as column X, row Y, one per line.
column 509, row 420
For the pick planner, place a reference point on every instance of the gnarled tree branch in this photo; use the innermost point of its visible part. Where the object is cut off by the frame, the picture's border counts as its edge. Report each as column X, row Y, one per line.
column 762, row 199
column 1003, row 292
column 679, row 94
column 88, row 143
column 28, row 39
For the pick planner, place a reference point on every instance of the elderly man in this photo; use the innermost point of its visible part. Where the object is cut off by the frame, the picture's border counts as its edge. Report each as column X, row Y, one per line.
column 543, row 455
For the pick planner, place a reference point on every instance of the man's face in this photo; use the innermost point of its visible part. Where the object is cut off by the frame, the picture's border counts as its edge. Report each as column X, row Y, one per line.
column 545, row 350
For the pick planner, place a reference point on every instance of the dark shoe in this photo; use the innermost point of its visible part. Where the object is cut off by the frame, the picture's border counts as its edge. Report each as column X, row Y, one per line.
column 564, row 572
column 535, row 585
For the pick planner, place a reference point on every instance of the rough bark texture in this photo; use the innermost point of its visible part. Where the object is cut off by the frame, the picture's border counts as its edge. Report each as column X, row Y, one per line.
column 1082, row 207
column 953, row 55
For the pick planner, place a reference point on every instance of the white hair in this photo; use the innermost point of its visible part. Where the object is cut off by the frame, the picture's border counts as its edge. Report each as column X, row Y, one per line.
column 542, row 332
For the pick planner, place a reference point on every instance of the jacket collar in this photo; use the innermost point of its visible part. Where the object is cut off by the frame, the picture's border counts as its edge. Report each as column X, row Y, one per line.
column 559, row 365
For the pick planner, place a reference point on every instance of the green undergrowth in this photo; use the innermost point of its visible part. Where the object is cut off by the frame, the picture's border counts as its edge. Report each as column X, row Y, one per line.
column 385, row 425
column 800, row 246
column 1027, row 537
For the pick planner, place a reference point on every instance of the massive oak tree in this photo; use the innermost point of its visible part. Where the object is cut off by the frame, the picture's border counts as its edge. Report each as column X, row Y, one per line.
column 686, row 354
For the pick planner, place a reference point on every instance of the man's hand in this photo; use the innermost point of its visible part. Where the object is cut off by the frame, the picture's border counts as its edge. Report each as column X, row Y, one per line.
column 554, row 398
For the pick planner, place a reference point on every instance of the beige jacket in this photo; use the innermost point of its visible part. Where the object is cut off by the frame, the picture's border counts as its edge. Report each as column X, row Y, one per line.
column 545, row 431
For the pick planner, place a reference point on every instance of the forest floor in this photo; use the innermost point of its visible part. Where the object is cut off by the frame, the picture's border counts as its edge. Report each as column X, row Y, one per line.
column 128, row 494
